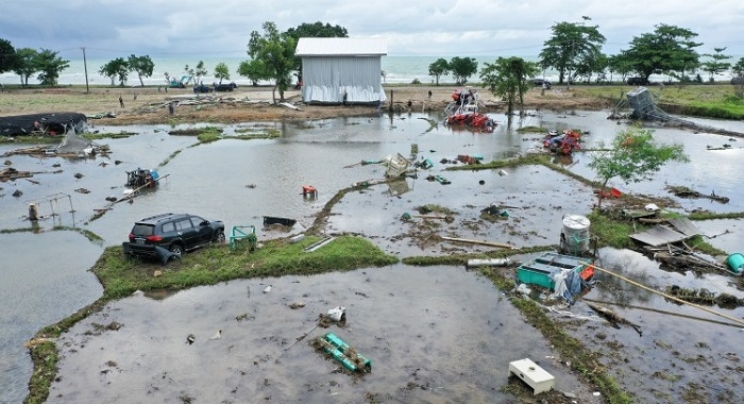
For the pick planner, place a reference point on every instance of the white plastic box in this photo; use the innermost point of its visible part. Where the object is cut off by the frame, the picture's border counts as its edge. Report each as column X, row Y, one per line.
column 535, row 376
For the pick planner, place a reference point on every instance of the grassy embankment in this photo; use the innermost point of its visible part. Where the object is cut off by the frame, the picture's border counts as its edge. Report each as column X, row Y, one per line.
column 705, row 100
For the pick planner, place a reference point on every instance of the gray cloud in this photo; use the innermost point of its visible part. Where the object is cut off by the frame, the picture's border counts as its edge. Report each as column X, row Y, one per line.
column 112, row 28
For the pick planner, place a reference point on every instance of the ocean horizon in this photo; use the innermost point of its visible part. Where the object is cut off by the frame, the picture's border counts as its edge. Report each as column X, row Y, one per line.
column 398, row 70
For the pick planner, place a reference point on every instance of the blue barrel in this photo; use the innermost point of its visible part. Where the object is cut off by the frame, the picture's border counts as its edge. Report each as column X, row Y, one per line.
column 736, row 262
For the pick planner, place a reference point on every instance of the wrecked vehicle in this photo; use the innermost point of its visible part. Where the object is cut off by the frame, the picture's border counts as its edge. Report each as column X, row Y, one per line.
column 176, row 233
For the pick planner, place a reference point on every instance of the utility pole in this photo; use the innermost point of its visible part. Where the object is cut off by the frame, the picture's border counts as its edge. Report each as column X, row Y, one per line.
column 85, row 64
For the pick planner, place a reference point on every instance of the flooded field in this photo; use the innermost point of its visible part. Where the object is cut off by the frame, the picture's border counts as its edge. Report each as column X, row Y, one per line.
column 441, row 328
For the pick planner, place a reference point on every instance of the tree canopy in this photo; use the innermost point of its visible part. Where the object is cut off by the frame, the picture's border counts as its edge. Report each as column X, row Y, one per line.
column 439, row 68
column 50, row 66
column 317, row 30
column 8, row 60
column 276, row 52
column 570, row 46
column 254, row 70
column 668, row 50
column 507, row 77
column 222, row 72
column 634, row 157
column 142, row 65
column 116, row 69
column 463, row 68
column 26, row 65
column 717, row 63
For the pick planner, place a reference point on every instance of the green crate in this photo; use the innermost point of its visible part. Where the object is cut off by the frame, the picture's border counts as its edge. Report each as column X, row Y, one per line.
column 538, row 270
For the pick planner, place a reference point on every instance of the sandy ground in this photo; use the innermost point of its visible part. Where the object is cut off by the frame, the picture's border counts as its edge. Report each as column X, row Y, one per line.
column 148, row 105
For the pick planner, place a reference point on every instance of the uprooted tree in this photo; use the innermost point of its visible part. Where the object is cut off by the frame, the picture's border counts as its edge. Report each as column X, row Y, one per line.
column 634, row 157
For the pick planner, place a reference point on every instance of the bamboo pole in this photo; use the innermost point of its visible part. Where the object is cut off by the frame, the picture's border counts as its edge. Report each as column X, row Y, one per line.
column 670, row 297
column 479, row 242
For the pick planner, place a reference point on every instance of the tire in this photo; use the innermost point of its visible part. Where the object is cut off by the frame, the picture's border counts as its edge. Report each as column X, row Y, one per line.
column 177, row 249
column 219, row 237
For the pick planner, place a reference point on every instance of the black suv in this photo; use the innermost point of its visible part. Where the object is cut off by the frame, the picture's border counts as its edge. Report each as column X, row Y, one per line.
column 540, row 82
column 225, row 87
column 170, row 234
column 637, row 81
column 201, row 88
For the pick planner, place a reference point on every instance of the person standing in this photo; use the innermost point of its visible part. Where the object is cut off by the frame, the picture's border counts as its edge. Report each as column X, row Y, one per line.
column 121, row 101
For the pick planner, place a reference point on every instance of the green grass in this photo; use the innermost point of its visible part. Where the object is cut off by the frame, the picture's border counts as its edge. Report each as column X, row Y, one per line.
column 612, row 233
column 532, row 129
column 121, row 275
column 714, row 216
column 121, row 135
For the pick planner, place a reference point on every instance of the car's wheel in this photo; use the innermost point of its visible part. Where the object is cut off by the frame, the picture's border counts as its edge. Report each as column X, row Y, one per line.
column 176, row 249
column 219, row 237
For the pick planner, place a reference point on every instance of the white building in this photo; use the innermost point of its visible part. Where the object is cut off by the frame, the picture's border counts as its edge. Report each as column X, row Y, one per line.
column 338, row 70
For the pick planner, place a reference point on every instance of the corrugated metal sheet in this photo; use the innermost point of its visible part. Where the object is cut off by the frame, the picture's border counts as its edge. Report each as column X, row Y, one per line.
column 659, row 235
column 341, row 47
column 332, row 79
column 685, row 227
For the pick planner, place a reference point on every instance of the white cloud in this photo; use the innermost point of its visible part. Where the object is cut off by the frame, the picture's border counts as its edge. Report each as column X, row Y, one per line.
column 432, row 27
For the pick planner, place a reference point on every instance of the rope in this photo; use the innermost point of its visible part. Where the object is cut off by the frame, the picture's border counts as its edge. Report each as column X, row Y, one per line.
column 670, row 297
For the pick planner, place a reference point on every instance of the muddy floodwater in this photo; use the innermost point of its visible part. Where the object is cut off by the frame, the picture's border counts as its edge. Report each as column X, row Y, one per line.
column 437, row 334
column 434, row 335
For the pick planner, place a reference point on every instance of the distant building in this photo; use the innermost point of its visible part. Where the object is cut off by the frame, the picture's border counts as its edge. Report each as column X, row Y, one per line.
column 342, row 70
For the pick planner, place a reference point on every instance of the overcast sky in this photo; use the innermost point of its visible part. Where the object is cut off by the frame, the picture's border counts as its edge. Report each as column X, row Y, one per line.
column 221, row 28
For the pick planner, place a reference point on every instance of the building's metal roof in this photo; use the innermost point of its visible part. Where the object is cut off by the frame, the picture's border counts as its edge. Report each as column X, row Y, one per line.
column 341, row 47
column 660, row 235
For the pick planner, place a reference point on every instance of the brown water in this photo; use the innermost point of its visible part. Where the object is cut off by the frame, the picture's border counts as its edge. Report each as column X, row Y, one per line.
column 212, row 180
column 437, row 334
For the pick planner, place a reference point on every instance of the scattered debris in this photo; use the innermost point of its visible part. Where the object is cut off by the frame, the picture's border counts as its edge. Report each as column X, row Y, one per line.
column 83, row 190
column 685, row 192
column 216, row 335
column 343, row 353
column 297, row 305
column 190, row 339
column 614, row 319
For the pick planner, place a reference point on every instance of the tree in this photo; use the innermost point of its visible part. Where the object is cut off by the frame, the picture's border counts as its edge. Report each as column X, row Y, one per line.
column 276, row 52
column 142, row 65
column 221, row 71
column 200, row 71
column 462, row 69
column 438, row 69
column 619, row 64
column 25, row 67
column 254, row 70
column 8, row 57
column 117, row 68
column 738, row 67
column 50, row 66
column 634, row 158
column 738, row 70
column 317, row 30
column 717, row 63
column 314, row 30
column 507, row 78
column 570, row 46
column 668, row 50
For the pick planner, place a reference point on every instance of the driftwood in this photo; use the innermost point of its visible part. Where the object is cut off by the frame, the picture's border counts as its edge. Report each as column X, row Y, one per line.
column 448, row 219
column 613, row 318
column 684, row 192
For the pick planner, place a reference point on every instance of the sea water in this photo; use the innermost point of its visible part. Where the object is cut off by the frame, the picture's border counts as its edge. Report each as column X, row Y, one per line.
column 397, row 69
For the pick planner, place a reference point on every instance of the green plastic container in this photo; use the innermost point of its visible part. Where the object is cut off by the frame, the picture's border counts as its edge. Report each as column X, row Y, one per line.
column 736, row 262
column 537, row 271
